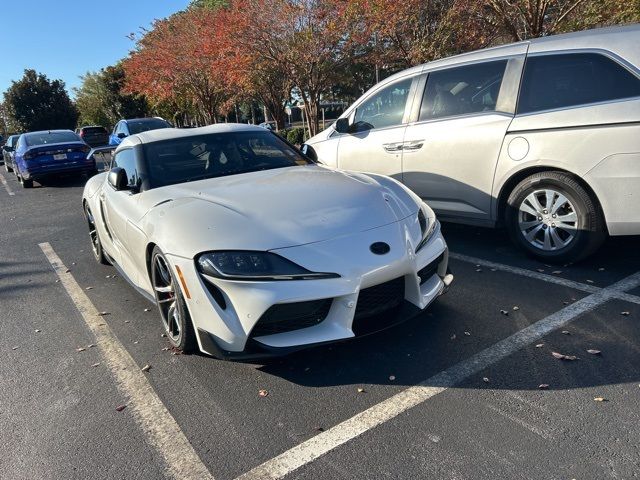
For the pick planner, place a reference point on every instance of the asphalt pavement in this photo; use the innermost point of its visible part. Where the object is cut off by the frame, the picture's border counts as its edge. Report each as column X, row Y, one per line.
column 452, row 393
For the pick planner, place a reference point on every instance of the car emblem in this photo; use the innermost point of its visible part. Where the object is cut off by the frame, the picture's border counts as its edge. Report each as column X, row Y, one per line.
column 379, row 248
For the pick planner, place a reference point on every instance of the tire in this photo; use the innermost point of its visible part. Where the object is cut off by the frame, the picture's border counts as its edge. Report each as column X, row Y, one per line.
column 25, row 183
column 94, row 236
column 173, row 309
column 570, row 229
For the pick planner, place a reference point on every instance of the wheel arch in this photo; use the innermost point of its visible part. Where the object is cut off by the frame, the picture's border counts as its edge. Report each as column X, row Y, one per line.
column 520, row 175
column 147, row 257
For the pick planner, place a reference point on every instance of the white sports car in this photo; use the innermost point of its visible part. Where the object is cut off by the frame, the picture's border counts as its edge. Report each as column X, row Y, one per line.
column 249, row 248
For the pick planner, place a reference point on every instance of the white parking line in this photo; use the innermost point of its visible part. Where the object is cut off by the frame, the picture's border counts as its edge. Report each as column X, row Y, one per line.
column 6, row 185
column 346, row 431
column 159, row 426
column 542, row 276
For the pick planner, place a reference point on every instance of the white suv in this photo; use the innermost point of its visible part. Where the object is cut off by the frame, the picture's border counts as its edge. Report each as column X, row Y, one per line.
column 541, row 136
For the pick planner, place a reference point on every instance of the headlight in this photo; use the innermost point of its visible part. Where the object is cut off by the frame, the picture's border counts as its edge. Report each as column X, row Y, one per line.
column 427, row 226
column 239, row 265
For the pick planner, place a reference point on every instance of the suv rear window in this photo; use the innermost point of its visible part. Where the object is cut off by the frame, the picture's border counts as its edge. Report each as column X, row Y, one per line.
column 94, row 130
column 572, row 79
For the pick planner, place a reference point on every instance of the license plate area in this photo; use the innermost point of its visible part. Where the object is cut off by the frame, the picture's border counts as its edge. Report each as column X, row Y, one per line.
column 60, row 156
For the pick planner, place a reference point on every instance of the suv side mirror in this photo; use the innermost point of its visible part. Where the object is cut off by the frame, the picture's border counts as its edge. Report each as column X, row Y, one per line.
column 117, row 178
column 342, row 125
column 121, row 135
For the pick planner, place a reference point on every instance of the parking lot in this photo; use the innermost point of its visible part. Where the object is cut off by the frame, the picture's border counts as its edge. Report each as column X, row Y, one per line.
column 470, row 389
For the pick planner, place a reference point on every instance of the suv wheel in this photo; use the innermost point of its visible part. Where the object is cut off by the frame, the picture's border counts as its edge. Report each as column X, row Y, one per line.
column 554, row 218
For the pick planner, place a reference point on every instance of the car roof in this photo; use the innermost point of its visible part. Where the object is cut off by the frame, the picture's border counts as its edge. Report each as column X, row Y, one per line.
column 171, row 133
column 41, row 132
column 144, row 119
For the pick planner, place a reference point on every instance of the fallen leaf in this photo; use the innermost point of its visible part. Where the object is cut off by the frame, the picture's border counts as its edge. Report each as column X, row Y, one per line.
column 593, row 352
column 147, row 309
column 135, row 342
column 566, row 332
column 119, row 408
column 89, row 288
column 103, row 314
column 540, row 345
column 91, row 345
column 96, row 364
column 263, row 393
column 504, row 312
column 478, row 269
column 80, row 349
column 589, row 281
column 557, row 272
column 468, row 334
column 146, row 368
column 38, row 330
column 600, row 399
column 561, row 356
column 485, row 379
column 361, row 390
column 565, row 303
column 126, row 321
column 14, row 348
column 543, row 386
column 626, row 314
column 165, row 349
column 516, row 308
column 392, row 377
column 163, row 334
column 541, row 270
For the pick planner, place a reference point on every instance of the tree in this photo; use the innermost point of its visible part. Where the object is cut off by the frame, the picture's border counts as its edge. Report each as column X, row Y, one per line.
column 177, row 60
column 36, row 103
column 101, row 101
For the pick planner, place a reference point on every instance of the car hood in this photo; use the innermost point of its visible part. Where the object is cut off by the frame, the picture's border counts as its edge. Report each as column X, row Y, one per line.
column 273, row 209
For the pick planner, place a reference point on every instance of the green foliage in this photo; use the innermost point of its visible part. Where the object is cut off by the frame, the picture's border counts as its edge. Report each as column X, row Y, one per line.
column 36, row 103
column 296, row 136
column 100, row 100
column 210, row 4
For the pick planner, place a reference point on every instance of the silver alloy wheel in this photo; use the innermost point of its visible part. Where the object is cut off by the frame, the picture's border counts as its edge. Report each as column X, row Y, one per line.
column 547, row 220
column 167, row 298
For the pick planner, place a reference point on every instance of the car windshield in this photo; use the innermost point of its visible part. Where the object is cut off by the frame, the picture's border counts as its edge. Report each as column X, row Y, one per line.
column 217, row 155
column 138, row 126
column 44, row 138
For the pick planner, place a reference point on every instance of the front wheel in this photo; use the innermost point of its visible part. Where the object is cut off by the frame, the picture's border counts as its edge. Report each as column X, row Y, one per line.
column 552, row 217
column 96, row 244
column 173, row 309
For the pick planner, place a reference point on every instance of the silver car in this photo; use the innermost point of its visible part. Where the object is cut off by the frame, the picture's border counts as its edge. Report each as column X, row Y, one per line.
column 541, row 136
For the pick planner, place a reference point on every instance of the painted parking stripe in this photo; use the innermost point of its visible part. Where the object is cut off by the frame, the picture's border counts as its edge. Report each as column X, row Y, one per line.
column 525, row 273
column 159, row 426
column 542, row 276
column 380, row 413
column 6, row 185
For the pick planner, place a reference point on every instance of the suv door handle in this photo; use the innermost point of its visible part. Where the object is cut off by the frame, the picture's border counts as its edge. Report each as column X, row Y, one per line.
column 413, row 145
column 392, row 147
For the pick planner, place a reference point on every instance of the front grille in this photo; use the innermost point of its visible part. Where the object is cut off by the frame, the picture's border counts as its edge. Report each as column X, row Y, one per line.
column 286, row 317
column 428, row 271
column 380, row 298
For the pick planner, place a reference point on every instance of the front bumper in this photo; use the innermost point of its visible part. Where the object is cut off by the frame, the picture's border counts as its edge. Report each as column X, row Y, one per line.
column 226, row 314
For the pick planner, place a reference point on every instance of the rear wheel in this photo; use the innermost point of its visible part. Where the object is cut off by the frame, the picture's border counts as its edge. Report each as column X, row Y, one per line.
column 25, row 183
column 7, row 167
column 173, row 309
column 552, row 217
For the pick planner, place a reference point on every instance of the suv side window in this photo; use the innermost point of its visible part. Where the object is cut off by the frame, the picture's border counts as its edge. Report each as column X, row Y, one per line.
column 572, row 79
column 384, row 108
column 126, row 160
column 462, row 90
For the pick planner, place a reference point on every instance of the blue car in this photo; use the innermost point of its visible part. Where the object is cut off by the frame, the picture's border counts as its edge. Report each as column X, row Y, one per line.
column 50, row 153
column 124, row 128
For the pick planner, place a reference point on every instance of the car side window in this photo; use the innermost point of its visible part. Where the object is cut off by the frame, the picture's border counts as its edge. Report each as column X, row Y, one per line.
column 126, row 160
column 384, row 108
column 462, row 90
column 572, row 79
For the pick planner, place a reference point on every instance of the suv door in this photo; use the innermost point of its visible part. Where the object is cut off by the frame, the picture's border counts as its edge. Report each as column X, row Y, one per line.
column 378, row 123
column 450, row 152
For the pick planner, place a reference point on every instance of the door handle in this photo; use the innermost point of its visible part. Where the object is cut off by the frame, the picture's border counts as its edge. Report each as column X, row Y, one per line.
column 413, row 145
column 392, row 147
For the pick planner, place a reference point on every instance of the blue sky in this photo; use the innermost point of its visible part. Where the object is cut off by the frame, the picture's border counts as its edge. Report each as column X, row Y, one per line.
column 64, row 38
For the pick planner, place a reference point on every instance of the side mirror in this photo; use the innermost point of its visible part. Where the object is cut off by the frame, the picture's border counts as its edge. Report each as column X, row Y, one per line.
column 117, row 178
column 342, row 125
column 121, row 135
